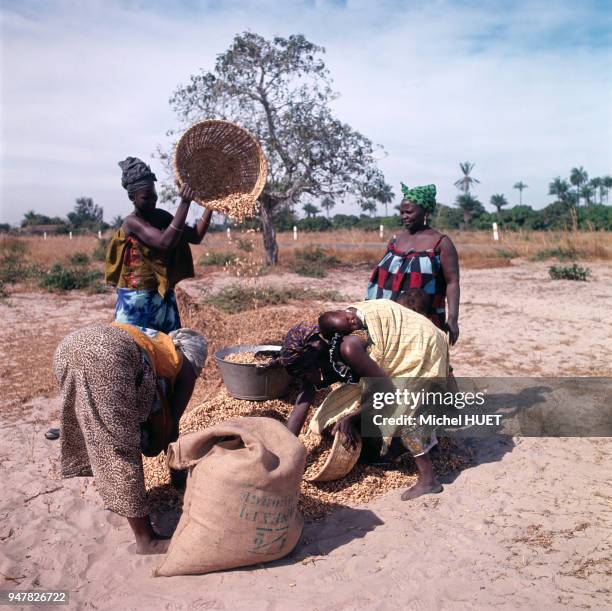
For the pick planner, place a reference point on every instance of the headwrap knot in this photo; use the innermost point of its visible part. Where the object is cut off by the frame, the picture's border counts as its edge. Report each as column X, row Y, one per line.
column 424, row 196
column 136, row 175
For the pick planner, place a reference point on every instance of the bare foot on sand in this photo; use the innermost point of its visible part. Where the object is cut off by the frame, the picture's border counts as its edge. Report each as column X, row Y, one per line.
column 421, row 488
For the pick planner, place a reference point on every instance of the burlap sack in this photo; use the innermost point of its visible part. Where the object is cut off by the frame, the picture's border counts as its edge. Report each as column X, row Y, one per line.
column 240, row 504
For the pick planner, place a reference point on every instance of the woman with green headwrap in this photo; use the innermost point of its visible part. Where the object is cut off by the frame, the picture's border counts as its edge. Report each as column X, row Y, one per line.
column 420, row 258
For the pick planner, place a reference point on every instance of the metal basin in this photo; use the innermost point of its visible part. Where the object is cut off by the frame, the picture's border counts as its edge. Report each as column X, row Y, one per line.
column 248, row 381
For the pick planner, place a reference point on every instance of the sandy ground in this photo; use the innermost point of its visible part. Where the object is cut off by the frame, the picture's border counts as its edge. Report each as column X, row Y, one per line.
column 527, row 526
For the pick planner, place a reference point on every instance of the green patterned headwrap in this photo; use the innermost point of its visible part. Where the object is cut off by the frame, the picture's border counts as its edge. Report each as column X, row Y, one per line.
column 424, row 196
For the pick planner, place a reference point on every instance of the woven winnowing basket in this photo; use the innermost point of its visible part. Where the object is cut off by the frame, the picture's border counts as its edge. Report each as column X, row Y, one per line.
column 340, row 461
column 224, row 165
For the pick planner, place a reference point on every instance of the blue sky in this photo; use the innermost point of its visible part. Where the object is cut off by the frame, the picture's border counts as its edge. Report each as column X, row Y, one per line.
column 523, row 89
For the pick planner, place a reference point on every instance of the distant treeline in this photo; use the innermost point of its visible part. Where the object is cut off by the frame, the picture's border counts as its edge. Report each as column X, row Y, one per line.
column 556, row 216
column 86, row 217
column 559, row 215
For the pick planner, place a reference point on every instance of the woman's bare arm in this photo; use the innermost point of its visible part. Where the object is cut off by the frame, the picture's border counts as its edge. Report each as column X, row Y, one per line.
column 304, row 400
column 161, row 239
column 355, row 355
column 195, row 235
column 450, row 268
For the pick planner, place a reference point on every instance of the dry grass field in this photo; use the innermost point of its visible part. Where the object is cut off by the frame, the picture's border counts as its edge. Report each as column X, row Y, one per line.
column 476, row 248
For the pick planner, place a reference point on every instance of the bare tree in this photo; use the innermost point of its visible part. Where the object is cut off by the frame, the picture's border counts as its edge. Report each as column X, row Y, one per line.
column 280, row 90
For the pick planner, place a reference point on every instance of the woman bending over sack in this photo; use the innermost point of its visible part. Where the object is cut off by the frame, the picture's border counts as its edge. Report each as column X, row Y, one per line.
column 123, row 391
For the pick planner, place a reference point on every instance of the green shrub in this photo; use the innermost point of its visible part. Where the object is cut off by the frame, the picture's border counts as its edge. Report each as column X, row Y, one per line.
column 569, row 272
column 237, row 298
column 506, row 254
column 345, row 221
column 217, row 258
column 69, row 278
column 32, row 271
column 562, row 253
column 12, row 260
column 99, row 252
column 79, row 258
column 312, row 262
column 245, row 245
column 315, row 223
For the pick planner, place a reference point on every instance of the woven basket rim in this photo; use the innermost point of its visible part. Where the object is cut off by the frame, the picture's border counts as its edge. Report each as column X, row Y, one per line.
column 343, row 460
column 211, row 123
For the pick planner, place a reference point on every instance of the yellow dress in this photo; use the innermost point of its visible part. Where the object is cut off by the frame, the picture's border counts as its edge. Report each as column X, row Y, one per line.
column 132, row 265
column 405, row 345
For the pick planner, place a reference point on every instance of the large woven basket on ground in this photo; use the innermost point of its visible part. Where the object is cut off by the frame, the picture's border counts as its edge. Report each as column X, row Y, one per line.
column 222, row 162
column 340, row 461
column 339, row 403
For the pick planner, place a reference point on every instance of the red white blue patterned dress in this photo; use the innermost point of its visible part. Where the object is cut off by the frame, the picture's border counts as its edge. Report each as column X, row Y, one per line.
column 400, row 270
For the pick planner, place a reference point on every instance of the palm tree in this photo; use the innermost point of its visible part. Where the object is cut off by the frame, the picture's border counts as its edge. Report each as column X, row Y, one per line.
column 470, row 206
column 328, row 203
column 607, row 184
column 385, row 196
column 369, row 206
column 586, row 192
column 466, row 181
column 597, row 185
column 560, row 188
column 310, row 210
column 578, row 177
column 117, row 222
column 520, row 185
column 30, row 218
column 499, row 201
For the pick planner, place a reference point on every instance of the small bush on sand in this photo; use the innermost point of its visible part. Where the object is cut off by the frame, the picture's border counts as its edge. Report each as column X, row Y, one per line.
column 217, row 258
column 237, row 298
column 62, row 278
column 312, row 262
column 79, row 259
column 569, row 272
column 245, row 245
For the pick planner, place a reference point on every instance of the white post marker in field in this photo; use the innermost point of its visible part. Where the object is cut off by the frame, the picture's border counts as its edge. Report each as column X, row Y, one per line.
column 381, row 231
column 70, row 234
column 229, row 234
column 495, row 232
column 295, row 233
column 44, row 235
column 99, row 235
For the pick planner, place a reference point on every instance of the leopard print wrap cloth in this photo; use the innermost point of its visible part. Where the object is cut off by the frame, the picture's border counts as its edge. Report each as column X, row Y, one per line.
column 107, row 389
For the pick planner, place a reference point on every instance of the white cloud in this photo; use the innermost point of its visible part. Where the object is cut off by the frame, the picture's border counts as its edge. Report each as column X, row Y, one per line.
column 86, row 84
